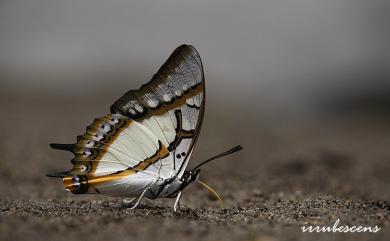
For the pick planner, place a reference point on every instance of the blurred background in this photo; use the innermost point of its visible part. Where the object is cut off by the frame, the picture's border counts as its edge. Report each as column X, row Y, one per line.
column 288, row 54
column 303, row 85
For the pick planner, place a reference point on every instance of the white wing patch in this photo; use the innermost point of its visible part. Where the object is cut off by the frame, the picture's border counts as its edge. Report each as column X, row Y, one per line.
column 134, row 144
column 130, row 186
column 163, row 126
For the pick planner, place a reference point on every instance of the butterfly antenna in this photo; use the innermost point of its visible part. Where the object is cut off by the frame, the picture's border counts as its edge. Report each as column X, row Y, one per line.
column 212, row 191
column 228, row 152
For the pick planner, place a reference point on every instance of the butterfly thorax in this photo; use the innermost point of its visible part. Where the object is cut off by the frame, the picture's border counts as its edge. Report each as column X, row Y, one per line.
column 169, row 188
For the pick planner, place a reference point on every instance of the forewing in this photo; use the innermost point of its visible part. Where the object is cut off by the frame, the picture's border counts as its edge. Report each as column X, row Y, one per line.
column 171, row 105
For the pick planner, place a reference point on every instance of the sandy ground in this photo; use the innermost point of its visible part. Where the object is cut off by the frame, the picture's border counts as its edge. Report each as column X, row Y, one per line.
column 293, row 172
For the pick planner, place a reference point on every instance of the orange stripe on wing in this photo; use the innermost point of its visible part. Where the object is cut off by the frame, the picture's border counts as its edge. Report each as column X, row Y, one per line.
column 161, row 153
column 165, row 107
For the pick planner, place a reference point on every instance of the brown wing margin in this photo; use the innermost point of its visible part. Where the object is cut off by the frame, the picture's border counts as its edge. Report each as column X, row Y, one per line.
column 168, row 86
column 179, row 78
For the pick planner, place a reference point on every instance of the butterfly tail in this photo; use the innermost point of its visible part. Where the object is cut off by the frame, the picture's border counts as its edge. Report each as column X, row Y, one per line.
column 59, row 174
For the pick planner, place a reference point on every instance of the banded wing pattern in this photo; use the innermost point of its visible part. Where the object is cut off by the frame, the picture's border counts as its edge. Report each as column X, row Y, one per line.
column 150, row 134
column 171, row 105
column 114, row 152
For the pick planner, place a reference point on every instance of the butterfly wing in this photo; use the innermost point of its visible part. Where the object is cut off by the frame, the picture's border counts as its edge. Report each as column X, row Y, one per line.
column 171, row 106
column 149, row 135
column 115, row 156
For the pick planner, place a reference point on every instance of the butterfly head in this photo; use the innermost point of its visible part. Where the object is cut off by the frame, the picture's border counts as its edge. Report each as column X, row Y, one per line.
column 190, row 176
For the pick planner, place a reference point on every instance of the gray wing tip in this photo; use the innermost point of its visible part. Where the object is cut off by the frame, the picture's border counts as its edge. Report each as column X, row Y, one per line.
column 188, row 47
column 118, row 107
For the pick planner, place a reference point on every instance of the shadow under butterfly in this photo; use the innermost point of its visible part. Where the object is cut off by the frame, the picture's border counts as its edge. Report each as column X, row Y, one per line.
column 143, row 147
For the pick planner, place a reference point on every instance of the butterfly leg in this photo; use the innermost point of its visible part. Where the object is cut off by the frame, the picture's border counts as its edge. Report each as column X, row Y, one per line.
column 139, row 199
column 127, row 202
column 177, row 203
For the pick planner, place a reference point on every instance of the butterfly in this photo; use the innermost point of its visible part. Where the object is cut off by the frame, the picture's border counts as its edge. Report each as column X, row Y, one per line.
column 143, row 147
